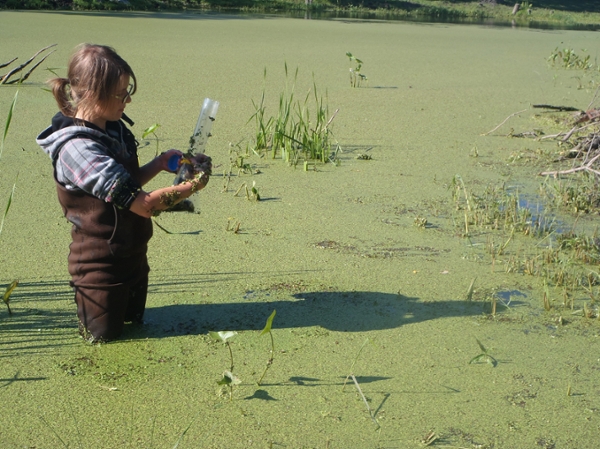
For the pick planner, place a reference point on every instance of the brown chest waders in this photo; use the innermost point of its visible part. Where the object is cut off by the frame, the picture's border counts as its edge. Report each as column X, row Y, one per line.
column 107, row 260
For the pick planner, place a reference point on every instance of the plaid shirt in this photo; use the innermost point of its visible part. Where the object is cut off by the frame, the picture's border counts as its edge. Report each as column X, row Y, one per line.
column 84, row 163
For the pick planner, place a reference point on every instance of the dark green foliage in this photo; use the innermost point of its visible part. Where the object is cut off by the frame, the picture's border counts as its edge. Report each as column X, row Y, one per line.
column 437, row 9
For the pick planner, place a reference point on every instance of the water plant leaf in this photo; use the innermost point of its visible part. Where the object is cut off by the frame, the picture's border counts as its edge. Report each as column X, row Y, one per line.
column 477, row 358
column 267, row 327
column 483, row 356
column 229, row 379
column 150, row 130
column 222, row 335
column 53, row 70
column 481, row 346
column 10, row 198
column 8, row 120
column 162, row 228
column 9, row 290
column 185, row 431
column 470, row 291
column 54, row 432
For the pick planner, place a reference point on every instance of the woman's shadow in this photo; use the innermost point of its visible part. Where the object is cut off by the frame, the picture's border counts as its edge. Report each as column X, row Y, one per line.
column 352, row 311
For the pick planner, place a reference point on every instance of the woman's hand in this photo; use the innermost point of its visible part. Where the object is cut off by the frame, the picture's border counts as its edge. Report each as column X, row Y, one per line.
column 202, row 163
column 165, row 158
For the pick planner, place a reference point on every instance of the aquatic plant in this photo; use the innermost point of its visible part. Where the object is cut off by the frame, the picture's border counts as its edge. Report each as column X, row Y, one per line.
column 356, row 77
column 356, row 384
column 297, row 131
column 365, row 401
column 228, row 378
column 580, row 193
column 8, row 292
column 151, row 130
column 354, row 363
column 8, row 204
column 483, row 356
column 567, row 58
column 470, row 290
column 233, row 225
column 582, row 247
column 13, row 285
column 252, row 194
column 267, row 330
column 420, row 222
column 8, row 121
column 495, row 208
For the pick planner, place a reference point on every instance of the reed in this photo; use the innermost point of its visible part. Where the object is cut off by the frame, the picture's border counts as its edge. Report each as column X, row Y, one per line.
column 301, row 130
column 12, row 285
column 497, row 209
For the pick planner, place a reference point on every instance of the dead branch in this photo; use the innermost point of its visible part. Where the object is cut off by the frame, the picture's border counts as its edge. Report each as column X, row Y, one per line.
column 7, row 63
column 20, row 80
column 5, row 78
column 505, row 120
column 570, row 133
column 586, row 167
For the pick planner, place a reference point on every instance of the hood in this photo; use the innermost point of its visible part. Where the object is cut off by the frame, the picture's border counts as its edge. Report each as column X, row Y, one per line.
column 63, row 129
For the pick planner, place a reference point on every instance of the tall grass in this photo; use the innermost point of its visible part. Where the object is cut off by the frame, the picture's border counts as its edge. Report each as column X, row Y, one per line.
column 8, row 120
column 6, row 128
column 301, row 130
column 578, row 194
column 560, row 259
column 12, row 285
column 496, row 208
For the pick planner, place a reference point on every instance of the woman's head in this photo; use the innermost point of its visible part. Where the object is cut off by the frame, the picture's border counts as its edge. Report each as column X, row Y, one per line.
column 95, row 76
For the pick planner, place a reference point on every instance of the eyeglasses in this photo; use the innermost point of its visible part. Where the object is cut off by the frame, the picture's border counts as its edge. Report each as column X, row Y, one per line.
column 124, row 98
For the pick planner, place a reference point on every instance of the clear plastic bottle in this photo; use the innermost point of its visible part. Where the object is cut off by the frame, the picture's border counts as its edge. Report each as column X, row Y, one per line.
column 198, row 139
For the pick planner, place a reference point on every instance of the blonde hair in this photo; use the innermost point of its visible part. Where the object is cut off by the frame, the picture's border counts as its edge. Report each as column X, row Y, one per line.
column 93, row 76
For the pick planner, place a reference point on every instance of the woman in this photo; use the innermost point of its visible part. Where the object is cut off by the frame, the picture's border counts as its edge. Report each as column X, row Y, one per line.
column 99, row 184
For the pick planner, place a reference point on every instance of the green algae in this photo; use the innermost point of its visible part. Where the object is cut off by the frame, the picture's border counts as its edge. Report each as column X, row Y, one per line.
column 334, row 251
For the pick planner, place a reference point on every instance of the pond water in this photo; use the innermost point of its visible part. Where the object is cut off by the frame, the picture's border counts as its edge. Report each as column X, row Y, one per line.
column 334, row 250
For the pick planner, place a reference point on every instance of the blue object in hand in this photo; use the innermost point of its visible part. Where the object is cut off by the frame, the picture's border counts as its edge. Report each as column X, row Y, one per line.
column 173, row 163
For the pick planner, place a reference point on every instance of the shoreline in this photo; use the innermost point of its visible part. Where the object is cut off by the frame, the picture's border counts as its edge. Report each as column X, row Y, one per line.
column 478, row 13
